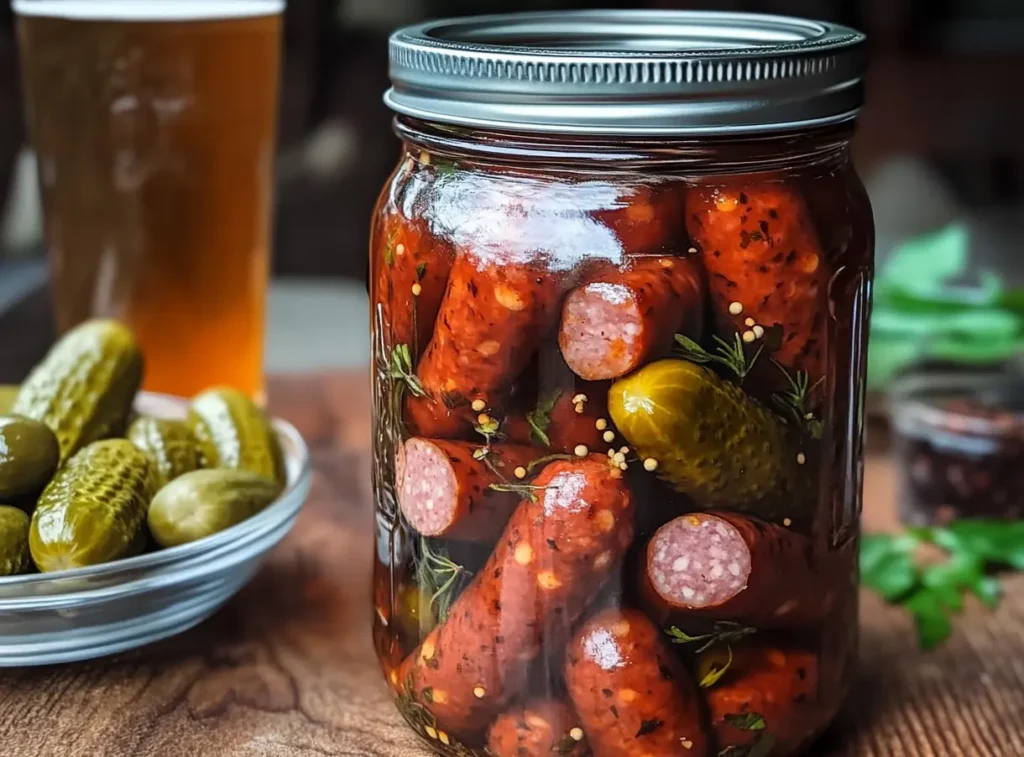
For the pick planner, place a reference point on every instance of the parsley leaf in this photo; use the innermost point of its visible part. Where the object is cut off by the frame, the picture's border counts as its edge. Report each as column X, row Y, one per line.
column 934, row 591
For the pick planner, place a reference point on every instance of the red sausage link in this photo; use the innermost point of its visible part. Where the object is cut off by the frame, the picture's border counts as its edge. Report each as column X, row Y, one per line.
column 492, row 317
column 648, row 220
column 621, row 319
column 632, row 696
column 410, row 256
column 764, row 261
column 542, row 728
column 780, row 684
column 724, row 566
column 443, row 489
column 555, row 554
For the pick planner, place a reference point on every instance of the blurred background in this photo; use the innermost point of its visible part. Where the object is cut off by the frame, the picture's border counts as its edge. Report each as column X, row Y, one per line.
column 938, row 143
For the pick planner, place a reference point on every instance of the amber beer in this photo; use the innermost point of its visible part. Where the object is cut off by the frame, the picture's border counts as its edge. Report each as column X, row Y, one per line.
column 154, row 125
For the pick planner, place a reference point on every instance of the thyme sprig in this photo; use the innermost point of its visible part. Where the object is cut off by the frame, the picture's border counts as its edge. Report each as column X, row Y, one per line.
column 794, row 400
column 441, row 576
column 723, row 632
column 401, row 370
column 732, row 354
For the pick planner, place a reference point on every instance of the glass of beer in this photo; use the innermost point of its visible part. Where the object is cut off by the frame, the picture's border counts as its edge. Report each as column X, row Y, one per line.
column 154, row 125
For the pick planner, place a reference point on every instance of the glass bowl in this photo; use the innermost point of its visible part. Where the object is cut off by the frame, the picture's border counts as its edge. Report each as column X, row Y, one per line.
column 80, row 614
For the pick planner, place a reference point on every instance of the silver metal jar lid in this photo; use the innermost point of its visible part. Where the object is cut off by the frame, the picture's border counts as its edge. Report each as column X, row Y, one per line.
column 628, row 72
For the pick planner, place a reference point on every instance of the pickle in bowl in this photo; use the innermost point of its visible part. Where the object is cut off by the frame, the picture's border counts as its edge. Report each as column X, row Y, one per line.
column 14, row 553
column 84, row 387
column 203, row 502
column 232, row 432
column 28, row 458
column 93, row 510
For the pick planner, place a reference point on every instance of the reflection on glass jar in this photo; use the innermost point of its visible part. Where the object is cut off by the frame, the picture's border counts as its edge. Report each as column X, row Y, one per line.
column 618, row 388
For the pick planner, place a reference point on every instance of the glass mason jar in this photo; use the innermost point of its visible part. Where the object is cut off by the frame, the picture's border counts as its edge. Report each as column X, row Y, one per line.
column 620, row 281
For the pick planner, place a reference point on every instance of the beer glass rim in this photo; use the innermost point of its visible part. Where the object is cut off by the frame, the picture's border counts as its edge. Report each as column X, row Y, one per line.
column 147, row 10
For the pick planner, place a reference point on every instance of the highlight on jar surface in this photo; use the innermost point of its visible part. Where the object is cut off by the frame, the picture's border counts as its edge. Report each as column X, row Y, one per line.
column 618, row 391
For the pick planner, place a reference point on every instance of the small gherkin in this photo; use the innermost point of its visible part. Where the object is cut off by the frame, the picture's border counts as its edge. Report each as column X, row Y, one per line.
column 711, row 441
column 84, row 387
column 94, row 509
column 28, row 458
column 203, row 502
column 169, row 444
column 14, row 554
column 232, row 432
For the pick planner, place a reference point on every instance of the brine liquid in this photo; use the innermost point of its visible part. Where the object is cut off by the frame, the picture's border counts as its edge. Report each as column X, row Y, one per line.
column 154, row 125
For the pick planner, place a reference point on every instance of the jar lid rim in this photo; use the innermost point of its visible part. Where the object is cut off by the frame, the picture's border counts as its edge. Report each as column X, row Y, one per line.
column 628, row 72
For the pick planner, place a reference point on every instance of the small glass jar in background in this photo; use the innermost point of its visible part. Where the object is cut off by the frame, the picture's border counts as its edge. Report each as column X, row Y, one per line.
column 959, row 445
column 620, row 281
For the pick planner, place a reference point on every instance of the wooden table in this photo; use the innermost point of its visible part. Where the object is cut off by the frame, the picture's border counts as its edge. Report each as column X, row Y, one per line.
column 287, row 668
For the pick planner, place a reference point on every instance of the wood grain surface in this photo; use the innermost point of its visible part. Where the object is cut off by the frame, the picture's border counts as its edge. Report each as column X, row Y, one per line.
column 287, row 668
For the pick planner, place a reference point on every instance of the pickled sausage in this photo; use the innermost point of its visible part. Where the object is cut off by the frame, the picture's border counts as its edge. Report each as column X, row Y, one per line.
column 443, row 487
column 411, row 280
column 542, row 728
column 779, row 684
column 647, row 219
column 631, row 695
column 621, row 319
column 558, row 549
column 764, row 262
column 725, row 566
column 491, row 320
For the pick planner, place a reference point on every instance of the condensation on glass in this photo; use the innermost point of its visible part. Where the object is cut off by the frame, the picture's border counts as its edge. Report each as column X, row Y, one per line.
column 619, row 303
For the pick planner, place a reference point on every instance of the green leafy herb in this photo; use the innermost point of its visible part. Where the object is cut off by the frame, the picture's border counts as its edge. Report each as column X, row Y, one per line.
column 723, row 632
column 539, row 419
column 402, row 370
column 794, row 399
column 732, row 355
column 745, row 721
column 931, row 301
column 715, row 672
column 933, row 592
column 440, row 576
column 421, row 271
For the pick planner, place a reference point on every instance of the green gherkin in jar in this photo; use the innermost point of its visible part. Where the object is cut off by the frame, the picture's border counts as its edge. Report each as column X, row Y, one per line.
column 708, row 439
column 232, row 432
column 203, row 502
column 93, row 510
column 169, row 444
column 14, row 553
column 28, row 458
column 84, row 387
